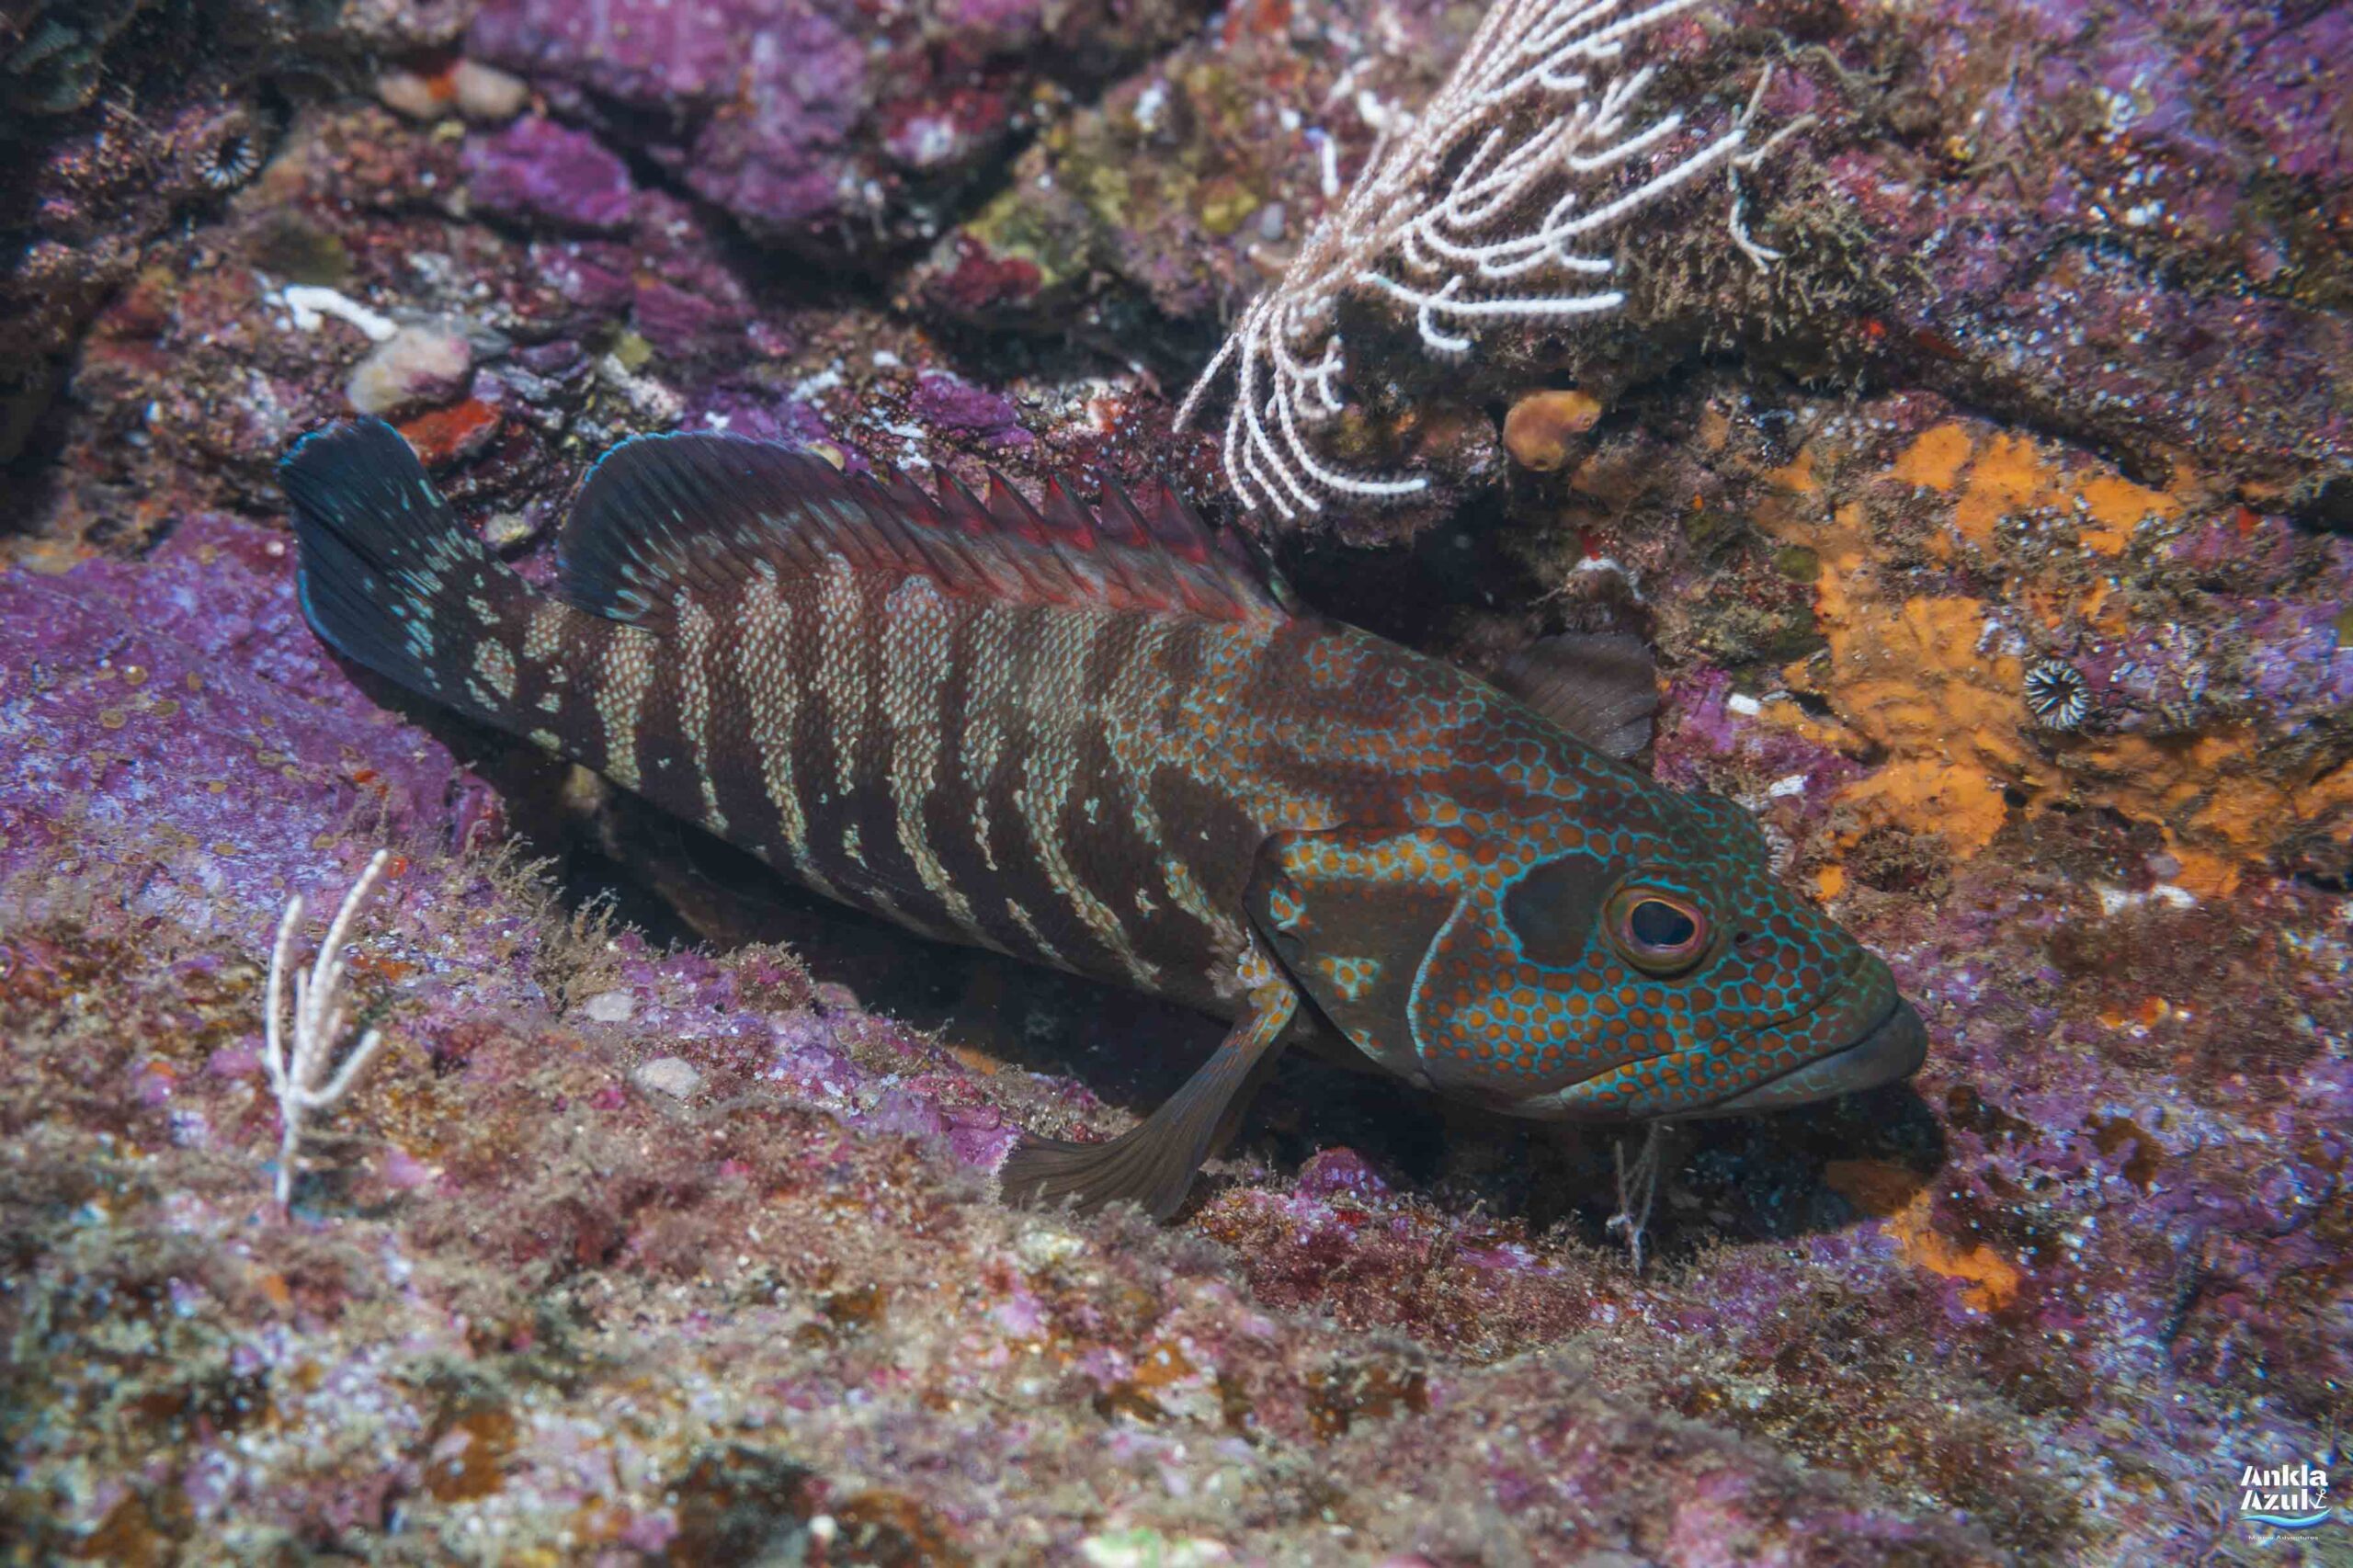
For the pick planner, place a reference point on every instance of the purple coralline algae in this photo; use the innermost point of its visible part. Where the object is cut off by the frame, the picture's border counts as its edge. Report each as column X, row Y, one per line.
column 538, row 169
column 945, row 403
column 832, row 127
column 662, row 1228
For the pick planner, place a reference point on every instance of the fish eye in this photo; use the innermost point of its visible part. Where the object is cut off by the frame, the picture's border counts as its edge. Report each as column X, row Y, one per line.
column 1658, row 932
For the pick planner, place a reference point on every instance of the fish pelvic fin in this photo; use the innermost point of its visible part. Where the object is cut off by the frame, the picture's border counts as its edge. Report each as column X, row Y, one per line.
column 391, row 578
column 1154, row 1164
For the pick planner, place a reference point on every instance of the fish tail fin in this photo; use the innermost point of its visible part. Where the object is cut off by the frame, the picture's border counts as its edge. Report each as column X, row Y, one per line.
column 391, row 578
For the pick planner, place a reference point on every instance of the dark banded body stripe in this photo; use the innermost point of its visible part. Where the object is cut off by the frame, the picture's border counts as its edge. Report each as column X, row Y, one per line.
column 1056, row 784
column 1071, row 757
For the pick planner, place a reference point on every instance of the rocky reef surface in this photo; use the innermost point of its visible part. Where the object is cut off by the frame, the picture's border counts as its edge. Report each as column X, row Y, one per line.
column 1992, row 543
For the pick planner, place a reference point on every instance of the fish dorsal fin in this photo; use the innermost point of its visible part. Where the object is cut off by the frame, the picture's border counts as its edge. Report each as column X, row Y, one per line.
column 1602, row 689
column 660, row 516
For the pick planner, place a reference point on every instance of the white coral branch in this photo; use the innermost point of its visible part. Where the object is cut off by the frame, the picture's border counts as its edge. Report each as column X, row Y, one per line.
column 1483, row 210
column 1638, row 1189
column 299, row 1078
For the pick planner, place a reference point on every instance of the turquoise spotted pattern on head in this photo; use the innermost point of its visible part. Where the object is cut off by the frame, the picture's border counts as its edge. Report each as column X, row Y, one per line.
column 1560, row 937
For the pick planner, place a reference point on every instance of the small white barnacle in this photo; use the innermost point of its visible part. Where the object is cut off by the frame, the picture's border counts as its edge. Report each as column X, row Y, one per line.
column 2057, row 695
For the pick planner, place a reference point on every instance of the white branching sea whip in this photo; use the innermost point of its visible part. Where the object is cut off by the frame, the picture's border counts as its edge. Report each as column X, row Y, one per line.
column 298, row 1077
column 1486, row 208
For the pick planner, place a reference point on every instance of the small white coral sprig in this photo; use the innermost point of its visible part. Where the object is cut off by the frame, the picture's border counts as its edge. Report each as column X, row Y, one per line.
column 1638, row 1189
column 299, row 1078
column 1480, row 211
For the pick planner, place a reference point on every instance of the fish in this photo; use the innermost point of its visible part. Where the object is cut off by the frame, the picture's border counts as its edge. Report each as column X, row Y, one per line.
column 1107, row 738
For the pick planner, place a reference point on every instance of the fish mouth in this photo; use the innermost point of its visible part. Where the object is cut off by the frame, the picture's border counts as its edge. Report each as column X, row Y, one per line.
column 1891, row 1048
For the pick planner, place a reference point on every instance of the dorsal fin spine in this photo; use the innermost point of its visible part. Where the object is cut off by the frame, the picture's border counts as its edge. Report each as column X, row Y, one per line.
column 1165, row 567
column 911, row 498
column 1066, row 535
column 895, row 536
column 1176, row 527
column 939, row 549
column 1117, row 517
column 1061, row 513
column 1012, row 510
column 963, row 506
column 821, row 527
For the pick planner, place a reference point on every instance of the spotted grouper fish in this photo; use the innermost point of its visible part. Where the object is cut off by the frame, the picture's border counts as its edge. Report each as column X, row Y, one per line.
column 1107, row 740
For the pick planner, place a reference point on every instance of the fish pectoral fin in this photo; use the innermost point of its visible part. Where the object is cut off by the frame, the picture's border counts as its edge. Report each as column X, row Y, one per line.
column 1154, row 1163
column 1601, row 688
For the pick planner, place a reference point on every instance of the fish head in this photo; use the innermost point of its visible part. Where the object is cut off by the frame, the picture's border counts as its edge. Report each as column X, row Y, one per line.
column 1633, row 965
